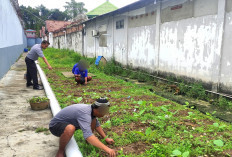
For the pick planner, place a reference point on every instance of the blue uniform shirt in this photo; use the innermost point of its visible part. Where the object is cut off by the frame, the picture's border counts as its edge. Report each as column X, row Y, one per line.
column 74, row 67
column 83, row 73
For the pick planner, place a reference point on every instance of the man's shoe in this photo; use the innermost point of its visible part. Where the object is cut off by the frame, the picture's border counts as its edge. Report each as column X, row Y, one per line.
column 38, row 88
column 30, row 84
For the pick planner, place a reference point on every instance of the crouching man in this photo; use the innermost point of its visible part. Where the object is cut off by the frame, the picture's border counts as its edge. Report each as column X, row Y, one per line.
column 81, row 116
column 80, row 72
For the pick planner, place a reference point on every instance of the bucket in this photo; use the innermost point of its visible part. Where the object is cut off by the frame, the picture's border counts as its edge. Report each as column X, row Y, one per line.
column 39, row 106
column 25, row 50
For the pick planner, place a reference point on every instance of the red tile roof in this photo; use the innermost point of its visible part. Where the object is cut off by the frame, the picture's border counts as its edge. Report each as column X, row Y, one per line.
column 53, row 25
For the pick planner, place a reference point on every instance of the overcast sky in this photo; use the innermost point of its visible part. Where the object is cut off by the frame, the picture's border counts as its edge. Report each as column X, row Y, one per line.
column 89, row 4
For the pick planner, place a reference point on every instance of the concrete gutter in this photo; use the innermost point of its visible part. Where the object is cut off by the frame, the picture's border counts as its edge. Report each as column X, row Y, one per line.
column 72, row 149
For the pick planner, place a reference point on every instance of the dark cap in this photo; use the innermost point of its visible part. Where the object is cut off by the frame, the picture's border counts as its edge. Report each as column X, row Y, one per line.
column 102, row 102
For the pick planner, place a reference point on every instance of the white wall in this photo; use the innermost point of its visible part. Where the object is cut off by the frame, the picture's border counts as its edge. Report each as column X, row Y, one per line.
column 89, row 41
column 10, row 27
column 193, row 41
column 142, row 47
column 74, row 41
column 226, row 62
column 187, row 47
column 120, row 40
column 101, row 26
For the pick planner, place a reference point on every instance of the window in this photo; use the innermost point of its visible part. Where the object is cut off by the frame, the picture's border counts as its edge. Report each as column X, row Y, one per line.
column 103, row 39
column 120, row 24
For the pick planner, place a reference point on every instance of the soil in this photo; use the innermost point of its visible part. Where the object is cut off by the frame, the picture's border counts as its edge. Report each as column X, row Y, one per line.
column 69, row 87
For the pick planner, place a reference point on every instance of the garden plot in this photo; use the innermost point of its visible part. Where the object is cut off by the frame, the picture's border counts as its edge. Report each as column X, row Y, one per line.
column 140, row 122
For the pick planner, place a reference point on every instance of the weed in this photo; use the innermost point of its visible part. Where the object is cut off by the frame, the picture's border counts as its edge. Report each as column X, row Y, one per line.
column 41, row 129
column 137, row 116
column 224, row 103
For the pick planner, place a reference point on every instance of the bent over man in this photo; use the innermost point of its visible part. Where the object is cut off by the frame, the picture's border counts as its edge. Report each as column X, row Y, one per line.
column 81, row 116
column 35, row 52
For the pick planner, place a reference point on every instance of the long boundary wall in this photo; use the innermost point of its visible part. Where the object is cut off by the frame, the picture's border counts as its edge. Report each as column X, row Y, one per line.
column 12, row 38
column 190, row 39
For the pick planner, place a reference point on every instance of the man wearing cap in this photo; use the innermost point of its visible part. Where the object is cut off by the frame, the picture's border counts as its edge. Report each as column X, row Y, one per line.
column 32, row 56
column 81, row 116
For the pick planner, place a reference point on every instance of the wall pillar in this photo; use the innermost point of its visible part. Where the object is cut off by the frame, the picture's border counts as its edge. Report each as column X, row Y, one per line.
column 127, row 25
column 157, row 34
column 113, row 26
column 51, row 39
column 216, row 74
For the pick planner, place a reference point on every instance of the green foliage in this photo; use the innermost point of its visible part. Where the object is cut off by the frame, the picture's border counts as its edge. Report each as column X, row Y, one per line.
column 110, row 68
column 176, row 152
column 107, row 124
column 195, row 91
column 74, row 8
column 38, row 99
column 138, row 115
column 158, row 150
column 41, row 129
column 224, row 103
column 133, row 75
column 33, row 20
column 218, row 143
column 183, row 88
column 77, row 100
column 142, row 77
column 63, row 58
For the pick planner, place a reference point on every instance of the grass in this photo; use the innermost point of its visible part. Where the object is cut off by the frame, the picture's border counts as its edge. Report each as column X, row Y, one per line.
column 141, row 122
column 41, row 129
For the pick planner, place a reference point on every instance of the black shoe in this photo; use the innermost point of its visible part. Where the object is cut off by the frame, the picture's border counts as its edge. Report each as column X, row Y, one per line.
column 28, row 85
column 38, row 88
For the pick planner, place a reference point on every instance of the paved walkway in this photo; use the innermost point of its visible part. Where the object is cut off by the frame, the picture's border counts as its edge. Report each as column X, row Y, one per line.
column 18, row 122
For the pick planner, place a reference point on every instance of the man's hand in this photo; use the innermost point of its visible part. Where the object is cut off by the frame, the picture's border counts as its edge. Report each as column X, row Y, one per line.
column 49, row 67
column 111, row 152
column 109, row 141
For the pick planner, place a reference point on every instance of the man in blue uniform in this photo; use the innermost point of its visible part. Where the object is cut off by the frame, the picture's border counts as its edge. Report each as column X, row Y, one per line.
column 80, row 72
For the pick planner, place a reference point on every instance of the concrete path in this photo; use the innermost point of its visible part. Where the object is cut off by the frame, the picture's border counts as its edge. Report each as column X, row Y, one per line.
column 18, row 122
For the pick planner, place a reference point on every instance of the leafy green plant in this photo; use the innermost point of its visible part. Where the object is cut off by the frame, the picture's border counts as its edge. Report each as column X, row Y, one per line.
column 183, row 88
column 41, row 129
column 197, row 91
column 224, row 103
column 38, row 99
column 176, row 152
column 77, row 100
column 133, row 75
column 107, row 124
column 158, row 150
column 139, row 115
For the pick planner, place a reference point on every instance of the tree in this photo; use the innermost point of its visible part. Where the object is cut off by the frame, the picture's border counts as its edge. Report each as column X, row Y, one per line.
column 34, row 20
column 58, row 15
column 73, row 8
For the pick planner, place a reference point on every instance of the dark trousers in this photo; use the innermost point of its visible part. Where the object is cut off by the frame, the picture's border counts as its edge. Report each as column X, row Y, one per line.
column 31, row 72
column 81, row 79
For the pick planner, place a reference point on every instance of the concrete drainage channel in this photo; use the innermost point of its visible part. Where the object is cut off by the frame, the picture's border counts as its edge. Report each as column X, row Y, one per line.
column 202, row 106
column 72, row 149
